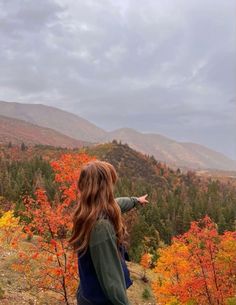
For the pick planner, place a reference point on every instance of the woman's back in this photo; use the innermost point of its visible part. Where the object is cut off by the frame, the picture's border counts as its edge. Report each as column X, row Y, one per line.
column 103, row 261
column 98, row 235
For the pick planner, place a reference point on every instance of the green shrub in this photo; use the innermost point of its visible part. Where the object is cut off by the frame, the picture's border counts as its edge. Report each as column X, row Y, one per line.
column 231, row 301
column 1, row 293
column 146, row 294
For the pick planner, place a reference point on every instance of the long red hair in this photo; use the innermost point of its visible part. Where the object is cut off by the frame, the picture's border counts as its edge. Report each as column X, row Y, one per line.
column 96, row 198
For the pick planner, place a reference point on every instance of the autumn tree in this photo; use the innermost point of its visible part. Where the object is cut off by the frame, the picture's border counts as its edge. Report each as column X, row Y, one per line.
column 50, row 262
column 145, row 262
column 198, row 268
column 10, row 229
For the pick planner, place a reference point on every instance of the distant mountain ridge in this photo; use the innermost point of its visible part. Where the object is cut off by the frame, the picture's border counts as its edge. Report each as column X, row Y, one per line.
column 62, row 121
column 174, row 153
column 188, row 155
column 18, row 131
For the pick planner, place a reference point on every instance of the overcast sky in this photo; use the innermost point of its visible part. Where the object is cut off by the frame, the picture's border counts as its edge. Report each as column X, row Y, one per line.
column 163, row 66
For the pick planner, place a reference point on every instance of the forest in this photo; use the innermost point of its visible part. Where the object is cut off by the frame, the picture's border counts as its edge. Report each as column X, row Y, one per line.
column 188, row 217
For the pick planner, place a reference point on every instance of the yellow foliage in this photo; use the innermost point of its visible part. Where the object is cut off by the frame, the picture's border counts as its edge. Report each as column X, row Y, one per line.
column 9, row 220
column 10, row 229
column 172, row 267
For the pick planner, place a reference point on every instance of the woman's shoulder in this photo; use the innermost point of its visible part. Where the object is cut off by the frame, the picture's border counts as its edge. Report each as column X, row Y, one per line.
column 102, row 230
column 103, row 225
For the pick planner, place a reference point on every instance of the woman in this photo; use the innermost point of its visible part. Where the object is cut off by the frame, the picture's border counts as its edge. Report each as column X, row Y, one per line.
column 98, row 235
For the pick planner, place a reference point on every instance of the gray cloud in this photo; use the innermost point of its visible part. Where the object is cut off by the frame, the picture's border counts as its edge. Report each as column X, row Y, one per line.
column 160, row 66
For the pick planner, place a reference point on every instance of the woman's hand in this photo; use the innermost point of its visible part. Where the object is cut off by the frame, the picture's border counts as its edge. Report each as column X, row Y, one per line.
column 143, row 199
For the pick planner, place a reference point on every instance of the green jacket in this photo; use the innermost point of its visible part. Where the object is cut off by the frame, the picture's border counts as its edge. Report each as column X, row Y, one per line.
column 104, row 254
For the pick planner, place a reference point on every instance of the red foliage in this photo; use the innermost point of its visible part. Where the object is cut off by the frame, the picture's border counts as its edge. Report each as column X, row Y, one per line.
column 50, row 226
column 67, row 170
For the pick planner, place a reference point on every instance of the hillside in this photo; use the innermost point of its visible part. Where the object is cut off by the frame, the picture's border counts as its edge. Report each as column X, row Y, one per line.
column 176, row 154
column 178, row 197
column 50, row 117
column 18, row 131
column 129, row 163
column 175, row 200
column 16, row 289
column 214, row 159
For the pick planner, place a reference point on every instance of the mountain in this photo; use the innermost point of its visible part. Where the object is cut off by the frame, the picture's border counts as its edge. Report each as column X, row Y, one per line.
column 129, row 162
column 208, row 156
column 18, row 131
column 174, row 153
column 57, row 119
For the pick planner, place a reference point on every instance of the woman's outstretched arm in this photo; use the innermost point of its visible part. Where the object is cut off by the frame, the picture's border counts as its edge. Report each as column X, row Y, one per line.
column 128, row 203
